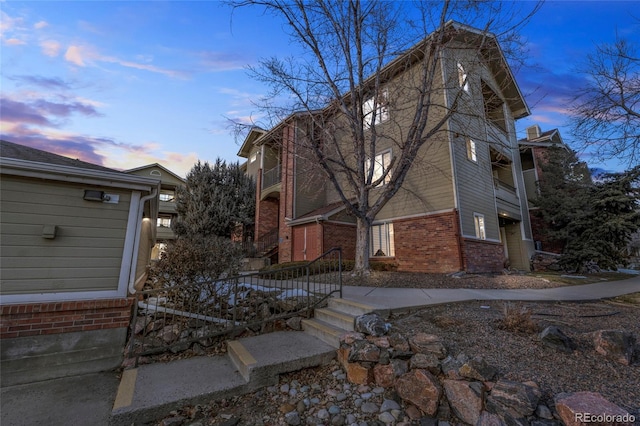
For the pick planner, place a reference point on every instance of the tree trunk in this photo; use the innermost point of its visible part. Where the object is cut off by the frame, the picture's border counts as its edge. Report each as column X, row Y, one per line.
column 361, row 266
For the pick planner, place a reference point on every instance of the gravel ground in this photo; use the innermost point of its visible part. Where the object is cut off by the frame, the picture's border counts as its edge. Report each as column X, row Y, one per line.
column 472, row 328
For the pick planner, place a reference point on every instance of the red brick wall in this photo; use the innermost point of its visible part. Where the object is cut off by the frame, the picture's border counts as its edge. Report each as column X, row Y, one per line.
column 33, row 319
column 538, row 228
column 483, row 256
column 428, row 244
column 340, row 235
column 266, row 216
column 286, row 194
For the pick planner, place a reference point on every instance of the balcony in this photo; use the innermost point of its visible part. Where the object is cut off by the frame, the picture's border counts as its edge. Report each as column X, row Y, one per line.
column 270, row 182
column 507, row 200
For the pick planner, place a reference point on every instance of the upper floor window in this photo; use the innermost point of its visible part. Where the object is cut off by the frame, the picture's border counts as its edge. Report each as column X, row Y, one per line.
column 381, row 164
column 471, row 150
column 166, row 195
column 253, row 157
column 478, row 220
column 463, row 80
column 381, row 109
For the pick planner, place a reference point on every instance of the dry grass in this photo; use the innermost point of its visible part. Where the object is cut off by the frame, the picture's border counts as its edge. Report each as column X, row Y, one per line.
column 517, row 319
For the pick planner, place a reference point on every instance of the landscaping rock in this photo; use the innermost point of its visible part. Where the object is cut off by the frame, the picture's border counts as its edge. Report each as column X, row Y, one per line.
column 489, row 419
column 554, row 338
column 295, row 323
column 427, row 343
column 350, row 337
column 478, row 369
column 384, row 375
column 371, row 324
column 466, row 399
column 426, row 362
column 381, row 342
column 362, row 350
column 398, row 342
column 356, row 372
column 421, row 389
column 616, row 345
column 585, row 408
column 513, row 399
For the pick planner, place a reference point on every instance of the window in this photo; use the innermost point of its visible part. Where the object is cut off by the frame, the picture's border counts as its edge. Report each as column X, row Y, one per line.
column 164, row 222
column 478, row 219
column 253, row 157
column 382, row 244
column 166, row 195
column 381, row 110
column 381, row 164
column 463, row 81
column 471, row 150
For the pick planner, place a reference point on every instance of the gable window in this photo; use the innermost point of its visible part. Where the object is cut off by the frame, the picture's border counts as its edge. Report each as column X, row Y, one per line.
column 381, row 164
column 463, row 80
column 253, row 157
column 382, row 244
column 471, row 150
column 478, row 220
column 381, row 110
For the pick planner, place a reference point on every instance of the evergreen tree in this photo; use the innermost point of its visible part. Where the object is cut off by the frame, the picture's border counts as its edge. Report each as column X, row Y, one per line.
column 214, row 201
column 595, row 221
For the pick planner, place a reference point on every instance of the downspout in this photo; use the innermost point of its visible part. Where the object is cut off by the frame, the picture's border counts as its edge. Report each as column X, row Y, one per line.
column 136, row 242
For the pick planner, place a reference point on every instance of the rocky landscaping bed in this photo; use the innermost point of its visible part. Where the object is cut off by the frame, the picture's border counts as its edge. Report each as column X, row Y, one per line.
column 463, row 363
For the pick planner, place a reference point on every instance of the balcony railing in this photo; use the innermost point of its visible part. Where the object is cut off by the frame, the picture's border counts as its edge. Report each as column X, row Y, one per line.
column 271, row 177
column 503, row 185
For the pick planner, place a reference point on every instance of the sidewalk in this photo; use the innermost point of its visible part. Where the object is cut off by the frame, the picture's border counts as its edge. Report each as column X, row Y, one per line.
column 411, row 298
column 89, row 399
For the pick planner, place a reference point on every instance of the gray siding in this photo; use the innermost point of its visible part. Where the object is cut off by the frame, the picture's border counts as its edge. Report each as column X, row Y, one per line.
column 85, row 255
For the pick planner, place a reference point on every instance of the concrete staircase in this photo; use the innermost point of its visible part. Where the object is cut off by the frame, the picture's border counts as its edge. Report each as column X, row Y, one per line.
column 151, row 391
column 338, row 318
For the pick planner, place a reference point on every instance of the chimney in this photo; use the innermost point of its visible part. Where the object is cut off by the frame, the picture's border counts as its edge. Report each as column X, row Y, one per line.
column 533, row 132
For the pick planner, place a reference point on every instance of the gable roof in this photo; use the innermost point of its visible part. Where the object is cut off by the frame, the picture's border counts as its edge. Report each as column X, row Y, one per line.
column 156, row 165
column 26, row 153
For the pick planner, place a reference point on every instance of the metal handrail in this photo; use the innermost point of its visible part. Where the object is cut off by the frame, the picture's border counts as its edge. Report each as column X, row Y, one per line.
column 173, row 317
column 271, row 177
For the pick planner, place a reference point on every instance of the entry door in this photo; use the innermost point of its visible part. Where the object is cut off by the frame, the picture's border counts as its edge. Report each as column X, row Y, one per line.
column 305, row 243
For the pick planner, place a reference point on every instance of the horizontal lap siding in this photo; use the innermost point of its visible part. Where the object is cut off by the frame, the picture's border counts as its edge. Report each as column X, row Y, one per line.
column 86, row 253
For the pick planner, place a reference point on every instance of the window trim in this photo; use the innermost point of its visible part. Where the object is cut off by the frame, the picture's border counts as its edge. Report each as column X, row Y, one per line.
column 386, row 229
column 463, row 79
column 382, row 110
column 480, row 226
column 253, row 157
column 472, row 150
column 382, row 154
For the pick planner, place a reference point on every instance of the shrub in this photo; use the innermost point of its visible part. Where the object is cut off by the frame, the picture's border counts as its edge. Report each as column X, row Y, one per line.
column 517, row 320
column 197, row 259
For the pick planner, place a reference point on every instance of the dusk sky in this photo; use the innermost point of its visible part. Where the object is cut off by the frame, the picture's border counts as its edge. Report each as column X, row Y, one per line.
column 124, row 84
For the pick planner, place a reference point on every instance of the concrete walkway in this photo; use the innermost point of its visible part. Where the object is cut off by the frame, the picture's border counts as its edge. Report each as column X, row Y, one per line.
column 91, row 399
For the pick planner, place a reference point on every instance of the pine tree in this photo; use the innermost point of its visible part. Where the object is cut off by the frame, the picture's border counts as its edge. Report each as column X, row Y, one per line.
column 215, row 199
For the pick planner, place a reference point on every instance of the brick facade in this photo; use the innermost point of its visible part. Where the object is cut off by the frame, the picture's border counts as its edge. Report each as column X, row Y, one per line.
column 428, row 243
column 34, row 319
column 286, row 195
column 340, row 235
column 483, row 256
column 266, row 216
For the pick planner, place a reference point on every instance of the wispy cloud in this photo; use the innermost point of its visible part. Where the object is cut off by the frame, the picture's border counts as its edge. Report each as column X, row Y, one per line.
column 216, row 61
column 14, row 42
column 50, row 48
column 40, row 25
column 54, row 83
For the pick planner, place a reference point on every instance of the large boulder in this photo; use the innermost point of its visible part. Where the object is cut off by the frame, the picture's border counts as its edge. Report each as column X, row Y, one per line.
column 363, row 351
column 616, row 345
column 554, row 338
column 589, row 408
column 466, row 399
column 423, row 343
column 513, row 400
column 371, row 324
column 478, row 369
column 420, row 388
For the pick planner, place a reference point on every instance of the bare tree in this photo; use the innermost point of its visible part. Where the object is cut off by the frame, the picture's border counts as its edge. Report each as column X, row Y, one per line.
column 606, row 114
column 374, row 63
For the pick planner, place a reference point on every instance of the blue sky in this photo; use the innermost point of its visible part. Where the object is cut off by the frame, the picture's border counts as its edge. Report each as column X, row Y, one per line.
column 124, row 84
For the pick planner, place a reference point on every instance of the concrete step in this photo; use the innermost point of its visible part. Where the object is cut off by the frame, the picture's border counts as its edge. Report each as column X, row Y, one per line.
column 336, row 318
column 328, row 333
column 152, row 391
column 356, row 308
column 260, row 359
